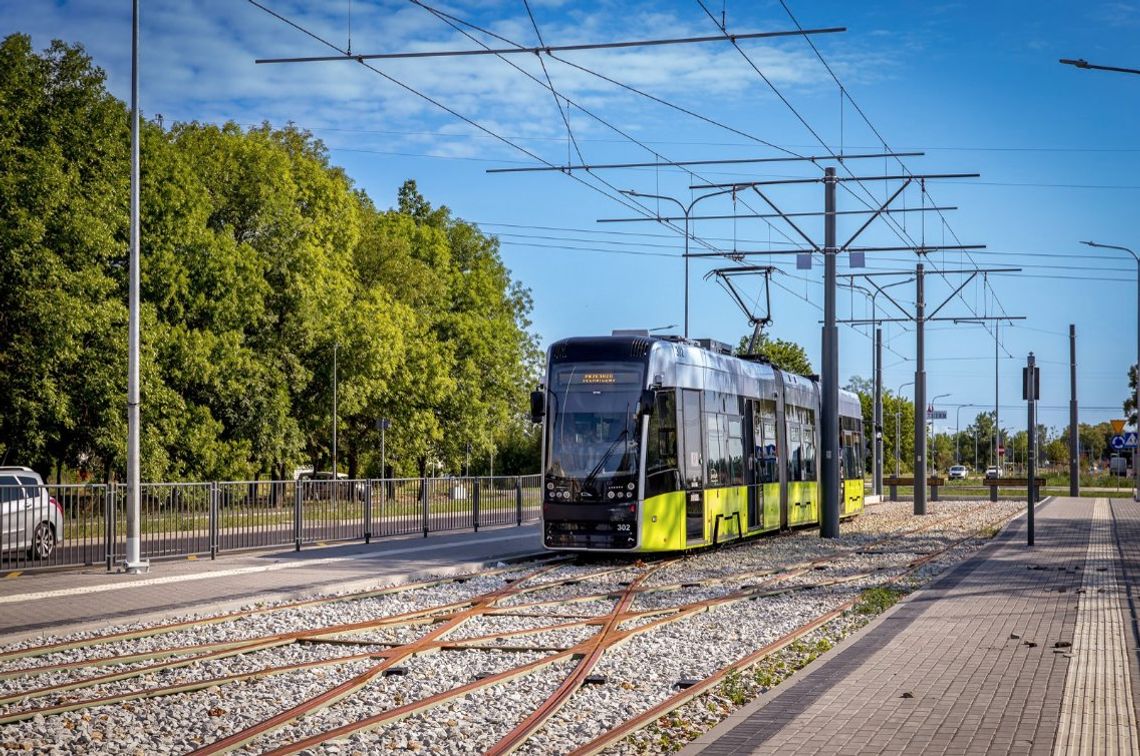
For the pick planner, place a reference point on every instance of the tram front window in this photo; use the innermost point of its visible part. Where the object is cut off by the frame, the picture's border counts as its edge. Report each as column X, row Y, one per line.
column 592, row 452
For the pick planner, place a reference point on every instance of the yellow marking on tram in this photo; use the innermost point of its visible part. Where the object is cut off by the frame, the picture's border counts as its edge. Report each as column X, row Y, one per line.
column 11, row 575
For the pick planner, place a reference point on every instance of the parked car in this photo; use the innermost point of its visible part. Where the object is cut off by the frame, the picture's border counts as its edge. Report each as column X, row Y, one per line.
column 993, row 472
column 957, row 472
column 30, row 519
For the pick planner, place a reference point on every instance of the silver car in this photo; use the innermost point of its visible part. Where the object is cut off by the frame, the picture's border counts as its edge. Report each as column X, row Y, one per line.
column 30, row 519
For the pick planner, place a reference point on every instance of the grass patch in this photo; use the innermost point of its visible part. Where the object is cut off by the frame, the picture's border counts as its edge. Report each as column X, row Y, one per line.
column 878, row 600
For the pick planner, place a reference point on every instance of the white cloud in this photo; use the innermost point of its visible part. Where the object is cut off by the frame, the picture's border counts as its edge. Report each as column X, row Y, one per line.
column 198, row 64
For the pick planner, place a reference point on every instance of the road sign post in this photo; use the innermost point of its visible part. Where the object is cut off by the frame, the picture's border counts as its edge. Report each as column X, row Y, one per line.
column 1031, row 391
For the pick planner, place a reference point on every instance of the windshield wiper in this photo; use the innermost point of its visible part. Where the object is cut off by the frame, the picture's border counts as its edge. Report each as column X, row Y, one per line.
column 589, row 480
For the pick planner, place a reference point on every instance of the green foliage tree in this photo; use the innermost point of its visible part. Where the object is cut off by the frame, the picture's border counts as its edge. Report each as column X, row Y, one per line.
column 1130, row 401
column 785, row 355
column 259, row 260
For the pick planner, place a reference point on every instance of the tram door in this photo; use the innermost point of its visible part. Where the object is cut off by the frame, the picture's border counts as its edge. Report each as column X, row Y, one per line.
column 693, row 465
column 753, row 442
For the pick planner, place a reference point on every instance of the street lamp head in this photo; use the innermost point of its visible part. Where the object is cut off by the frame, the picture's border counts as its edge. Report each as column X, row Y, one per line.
column 1077, row 63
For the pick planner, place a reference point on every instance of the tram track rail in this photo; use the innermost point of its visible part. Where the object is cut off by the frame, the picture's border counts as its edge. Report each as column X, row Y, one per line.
column 612, row 630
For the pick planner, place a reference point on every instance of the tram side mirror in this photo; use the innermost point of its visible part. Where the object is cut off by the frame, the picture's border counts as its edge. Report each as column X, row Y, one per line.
column 646, row 403
column 537, row 405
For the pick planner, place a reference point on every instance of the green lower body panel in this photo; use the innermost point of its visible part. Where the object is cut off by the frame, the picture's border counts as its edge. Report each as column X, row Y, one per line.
column 663, row 522
column 771, row 506
column 803, row 503
column 852, row 497
column 726, row 513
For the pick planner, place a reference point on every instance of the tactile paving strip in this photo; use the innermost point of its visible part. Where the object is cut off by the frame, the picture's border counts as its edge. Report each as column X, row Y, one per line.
column 1097, row 714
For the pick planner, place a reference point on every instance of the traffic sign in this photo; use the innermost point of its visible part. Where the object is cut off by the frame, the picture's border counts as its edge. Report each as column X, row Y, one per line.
column 1117, row 426
column 1001, row 451
column 1130, row 440
column 1117, row 442
column 936, row 414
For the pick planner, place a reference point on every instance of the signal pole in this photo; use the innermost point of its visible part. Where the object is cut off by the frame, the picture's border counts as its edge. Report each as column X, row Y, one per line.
column 1074, row 436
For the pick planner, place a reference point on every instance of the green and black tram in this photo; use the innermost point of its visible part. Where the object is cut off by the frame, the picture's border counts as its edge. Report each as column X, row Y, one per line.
column 666, row 444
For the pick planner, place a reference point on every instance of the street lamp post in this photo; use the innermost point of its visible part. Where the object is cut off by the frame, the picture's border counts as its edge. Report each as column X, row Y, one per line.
column 334, row 468
column 1136, row 395
column 686, row 210
column 898, row 427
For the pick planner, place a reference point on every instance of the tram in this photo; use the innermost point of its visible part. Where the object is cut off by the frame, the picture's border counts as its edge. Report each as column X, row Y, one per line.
column 655, row 444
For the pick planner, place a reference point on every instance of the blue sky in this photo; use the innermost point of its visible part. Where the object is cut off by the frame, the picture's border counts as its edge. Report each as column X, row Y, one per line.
column 976, row 86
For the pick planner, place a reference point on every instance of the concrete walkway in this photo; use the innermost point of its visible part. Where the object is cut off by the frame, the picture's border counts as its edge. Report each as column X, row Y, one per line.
column 1016, row 650
column 53, row 603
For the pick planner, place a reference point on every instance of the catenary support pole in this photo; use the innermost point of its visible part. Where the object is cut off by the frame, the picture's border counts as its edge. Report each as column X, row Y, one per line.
column 997, row 407
column 1136, row 396
column 134, row 561
column 877, row 430
column 1074, row 435
column 1032, row 456
column 829, row 384
column 919, row 395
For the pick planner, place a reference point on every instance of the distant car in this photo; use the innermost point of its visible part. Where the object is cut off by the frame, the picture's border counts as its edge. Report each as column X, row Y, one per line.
column 993, row 472
column 957, row 472
column 30, row 519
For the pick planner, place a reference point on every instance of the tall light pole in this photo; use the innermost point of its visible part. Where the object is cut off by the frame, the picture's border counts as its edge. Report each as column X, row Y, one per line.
column 898, row 426
column 932, row 401
column 336, row 346
column 958, row 431
column 1136, row 395
column 686, row 210
column 134, row 562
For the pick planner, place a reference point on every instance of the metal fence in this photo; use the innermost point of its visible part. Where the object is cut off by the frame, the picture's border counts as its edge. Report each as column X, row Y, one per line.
column 86, row 525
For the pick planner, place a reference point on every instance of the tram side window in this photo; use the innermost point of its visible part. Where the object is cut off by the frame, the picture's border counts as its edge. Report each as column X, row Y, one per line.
column 716, row 465
column 662, row 473
column 808, row 444
column 795, row 458
column 857, row 454
column 769, row 459
column 734, row 449
column 692, row 464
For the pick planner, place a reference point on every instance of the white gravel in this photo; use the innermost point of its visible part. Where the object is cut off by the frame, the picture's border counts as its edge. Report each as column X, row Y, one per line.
column 638, row 673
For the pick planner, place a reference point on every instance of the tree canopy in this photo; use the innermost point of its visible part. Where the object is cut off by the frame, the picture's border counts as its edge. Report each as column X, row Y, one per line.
column 785, row 355
column 260, row 260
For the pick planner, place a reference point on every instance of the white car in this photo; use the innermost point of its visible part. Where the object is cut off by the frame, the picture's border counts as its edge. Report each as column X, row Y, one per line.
column 993, row 472
column 957, row 472
column 30, row 519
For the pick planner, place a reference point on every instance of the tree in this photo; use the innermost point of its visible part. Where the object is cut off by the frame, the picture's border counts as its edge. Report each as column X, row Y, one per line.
column 259, row 259
column 1130, row 402
column 784, row 355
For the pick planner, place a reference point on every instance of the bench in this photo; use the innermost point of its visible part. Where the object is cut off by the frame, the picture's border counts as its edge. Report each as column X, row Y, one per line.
column 994, row 483
column 933, row 481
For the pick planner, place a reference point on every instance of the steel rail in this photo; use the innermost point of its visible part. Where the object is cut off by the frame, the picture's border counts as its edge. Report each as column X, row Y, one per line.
column 187, row 687
column 88, row 682
column 231, row 648
column 420, row 645
column 682, row 697
column 430, row 614
column 400, row 712
column 675, row 614
column 597, row 647
column 242, row 613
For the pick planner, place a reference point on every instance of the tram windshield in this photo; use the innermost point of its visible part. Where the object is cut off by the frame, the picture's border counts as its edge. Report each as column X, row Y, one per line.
column 593, row 437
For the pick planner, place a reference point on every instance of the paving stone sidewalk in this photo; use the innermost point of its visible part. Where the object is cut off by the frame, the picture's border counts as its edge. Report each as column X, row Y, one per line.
column 978, row 661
